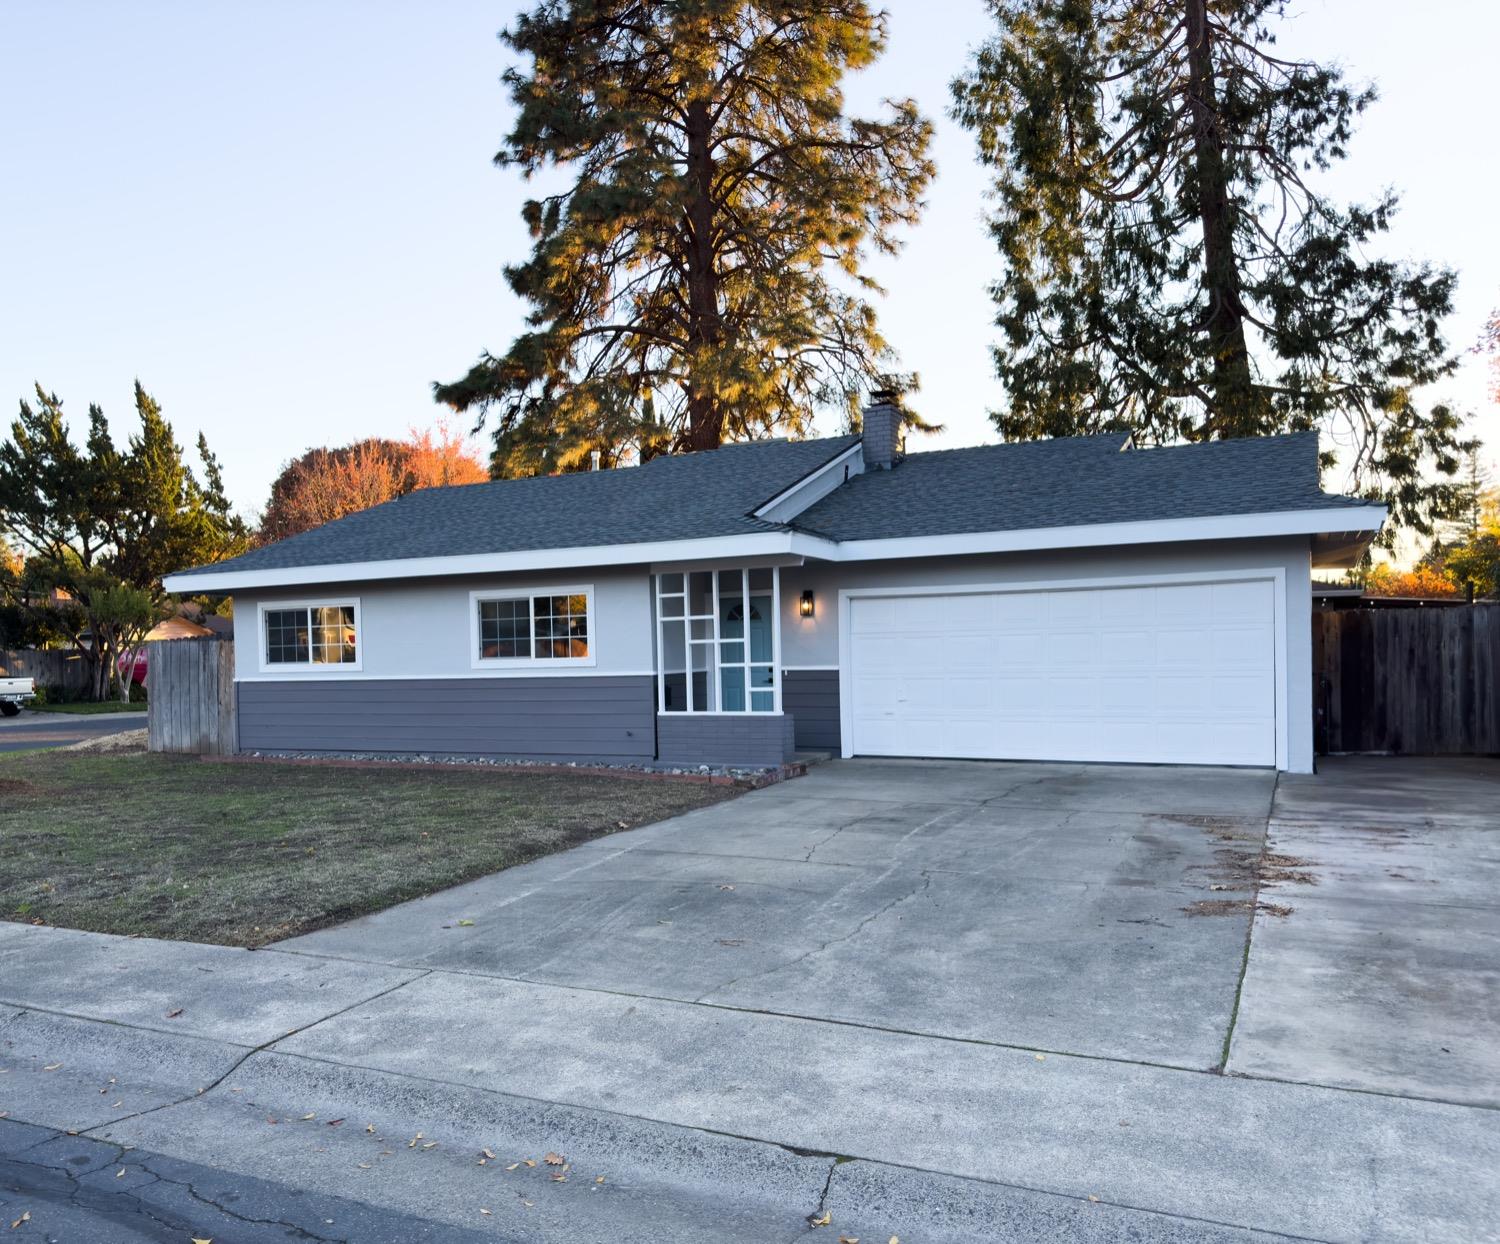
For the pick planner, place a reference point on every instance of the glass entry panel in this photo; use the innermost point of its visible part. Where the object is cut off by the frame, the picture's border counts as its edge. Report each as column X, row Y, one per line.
column 717, row 641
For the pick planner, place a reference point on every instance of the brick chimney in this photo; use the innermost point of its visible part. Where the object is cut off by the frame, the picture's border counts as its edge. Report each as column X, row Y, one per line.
column 882, row 431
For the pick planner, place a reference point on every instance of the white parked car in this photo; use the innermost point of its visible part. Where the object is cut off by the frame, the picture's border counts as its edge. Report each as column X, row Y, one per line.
column 13, row 693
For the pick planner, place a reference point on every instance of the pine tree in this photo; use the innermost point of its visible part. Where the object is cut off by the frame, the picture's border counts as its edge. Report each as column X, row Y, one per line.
column 1170, row 264
column 698, row 277
column 100, row 526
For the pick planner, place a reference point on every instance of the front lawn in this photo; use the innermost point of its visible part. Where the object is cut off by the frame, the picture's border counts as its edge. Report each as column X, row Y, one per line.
column 90, row 706
column 244, row 854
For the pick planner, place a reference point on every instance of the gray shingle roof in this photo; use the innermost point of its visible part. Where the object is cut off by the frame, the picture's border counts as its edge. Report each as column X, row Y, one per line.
column 678, row 497
column 1057, row 483
column 1070, row 482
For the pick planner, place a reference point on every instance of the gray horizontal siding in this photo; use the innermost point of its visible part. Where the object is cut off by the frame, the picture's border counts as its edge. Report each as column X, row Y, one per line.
column 812, row 698
column 603, row 718
column 751, row 740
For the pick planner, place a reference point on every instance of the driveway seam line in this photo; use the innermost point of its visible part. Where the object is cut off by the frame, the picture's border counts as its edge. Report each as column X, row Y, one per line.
column 1239, row 984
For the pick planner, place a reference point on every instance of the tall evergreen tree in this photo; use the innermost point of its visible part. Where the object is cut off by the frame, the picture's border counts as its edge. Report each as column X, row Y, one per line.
column 1170, row 264
column 697, row 277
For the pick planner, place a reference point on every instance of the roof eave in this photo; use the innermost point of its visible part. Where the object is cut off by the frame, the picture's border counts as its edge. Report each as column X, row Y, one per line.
column 1341, row 528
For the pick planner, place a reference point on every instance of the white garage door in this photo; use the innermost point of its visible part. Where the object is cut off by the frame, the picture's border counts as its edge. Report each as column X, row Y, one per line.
column 1172, row 674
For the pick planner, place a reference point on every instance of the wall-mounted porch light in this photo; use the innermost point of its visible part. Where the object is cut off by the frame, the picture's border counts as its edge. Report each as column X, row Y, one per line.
column 805, row 605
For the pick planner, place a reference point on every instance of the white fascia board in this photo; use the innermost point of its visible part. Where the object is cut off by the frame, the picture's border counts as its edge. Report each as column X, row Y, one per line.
column 812, row 487
column 1366, row 518
column 717, row 548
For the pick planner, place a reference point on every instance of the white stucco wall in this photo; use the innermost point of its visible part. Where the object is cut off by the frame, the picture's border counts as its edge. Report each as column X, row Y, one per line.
column 420, row 628
column 813, row 643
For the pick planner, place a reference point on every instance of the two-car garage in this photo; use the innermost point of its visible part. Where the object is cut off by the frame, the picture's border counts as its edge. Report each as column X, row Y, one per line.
column 1178, row 672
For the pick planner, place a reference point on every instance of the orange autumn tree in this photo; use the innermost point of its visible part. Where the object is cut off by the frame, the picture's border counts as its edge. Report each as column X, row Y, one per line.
column 325, row 484
column 1428, row 582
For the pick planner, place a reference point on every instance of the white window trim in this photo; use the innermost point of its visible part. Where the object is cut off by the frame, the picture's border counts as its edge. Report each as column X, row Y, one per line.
column 1276, row 575
column 491, row 664
column 310, row 670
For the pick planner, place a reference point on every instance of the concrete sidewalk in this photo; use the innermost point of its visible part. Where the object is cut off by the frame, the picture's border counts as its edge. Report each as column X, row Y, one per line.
column 753, row 1128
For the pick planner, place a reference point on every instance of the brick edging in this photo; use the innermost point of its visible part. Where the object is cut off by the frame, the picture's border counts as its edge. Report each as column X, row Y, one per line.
column 754, row 782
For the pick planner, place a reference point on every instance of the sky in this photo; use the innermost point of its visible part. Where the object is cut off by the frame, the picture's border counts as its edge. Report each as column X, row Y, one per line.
column 282, row 216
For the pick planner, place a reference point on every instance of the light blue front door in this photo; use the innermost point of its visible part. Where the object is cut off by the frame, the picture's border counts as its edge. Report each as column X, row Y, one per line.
column 732, row 634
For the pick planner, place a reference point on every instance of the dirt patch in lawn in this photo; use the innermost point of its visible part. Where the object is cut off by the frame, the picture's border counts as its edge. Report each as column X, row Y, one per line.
column 166, row 846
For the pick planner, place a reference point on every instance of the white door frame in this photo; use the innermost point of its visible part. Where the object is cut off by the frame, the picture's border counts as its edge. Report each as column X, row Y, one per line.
column 1275, row 574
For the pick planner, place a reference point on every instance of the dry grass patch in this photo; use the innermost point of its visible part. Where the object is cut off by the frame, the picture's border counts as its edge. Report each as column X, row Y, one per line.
column 166, row 846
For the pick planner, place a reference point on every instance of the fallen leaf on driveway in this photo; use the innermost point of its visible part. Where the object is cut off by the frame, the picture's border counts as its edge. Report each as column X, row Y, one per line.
column 815, row 1221
column 51, row 1066
column 1092, row 1197
column 848, row 1239
column 554, row 1159
column 26, row 1217
column 173, row 1014
column 466, row 924
column 530, row 1161
column 485, row 1211
column 334, row 1122
column 306, row 1117
column 726, row 887
column 120, row 1173
column 512, row 1166
column 488, row 1154
column 559, row 1178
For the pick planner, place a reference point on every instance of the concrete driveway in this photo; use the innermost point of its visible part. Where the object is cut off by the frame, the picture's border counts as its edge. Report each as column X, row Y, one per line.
column 936, row 1001
column 1027, row 905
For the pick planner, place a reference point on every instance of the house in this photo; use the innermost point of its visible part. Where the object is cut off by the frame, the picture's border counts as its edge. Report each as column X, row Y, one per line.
column 1075, row 599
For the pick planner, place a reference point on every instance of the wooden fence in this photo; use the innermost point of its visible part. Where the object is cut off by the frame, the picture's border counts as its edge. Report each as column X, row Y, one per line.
column 190, row 699
column 58, row 670
column 1413, row 681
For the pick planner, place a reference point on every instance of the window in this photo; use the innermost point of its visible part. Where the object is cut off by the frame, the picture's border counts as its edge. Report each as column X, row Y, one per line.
column 310, row 635
column 718, row 634
column 542, row 627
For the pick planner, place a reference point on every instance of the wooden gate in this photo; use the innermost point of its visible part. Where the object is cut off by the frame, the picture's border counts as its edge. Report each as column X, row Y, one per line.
column 1412, row 681
column 190, row 696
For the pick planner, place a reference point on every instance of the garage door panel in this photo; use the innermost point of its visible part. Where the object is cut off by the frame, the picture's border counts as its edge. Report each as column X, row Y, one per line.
column 1125, row 648
column 1019, row 650
column 1177, row 673
column 1187, row 602
column 1072, row 649
column 1233, row 602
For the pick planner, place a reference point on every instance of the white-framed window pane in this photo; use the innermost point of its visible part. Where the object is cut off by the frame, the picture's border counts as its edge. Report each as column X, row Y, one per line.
column 505, row 628
column 762, row 689
column 287, row 636
column 561, row 626
column 333, row 638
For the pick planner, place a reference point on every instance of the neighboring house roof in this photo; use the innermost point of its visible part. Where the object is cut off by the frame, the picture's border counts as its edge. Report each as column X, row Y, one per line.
column 177, row 628
column 674, row 497
column 1070, row 482
column 1035, row 494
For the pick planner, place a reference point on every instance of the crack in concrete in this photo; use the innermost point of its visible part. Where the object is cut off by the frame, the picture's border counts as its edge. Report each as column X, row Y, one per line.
column 248, row 1054
column 920, row 889
column 187, row 1186
column 115, row 1203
